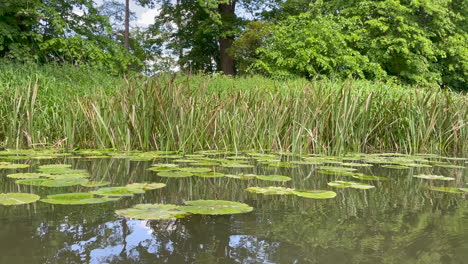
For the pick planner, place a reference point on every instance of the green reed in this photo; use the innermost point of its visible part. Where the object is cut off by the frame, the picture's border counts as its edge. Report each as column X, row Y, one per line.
column 75, row 107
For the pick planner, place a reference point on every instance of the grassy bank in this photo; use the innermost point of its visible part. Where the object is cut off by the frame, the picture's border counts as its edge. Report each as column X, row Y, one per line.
column 70, row 107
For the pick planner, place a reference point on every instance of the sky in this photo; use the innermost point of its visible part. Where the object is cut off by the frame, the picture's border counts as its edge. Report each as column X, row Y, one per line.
column 145, row 16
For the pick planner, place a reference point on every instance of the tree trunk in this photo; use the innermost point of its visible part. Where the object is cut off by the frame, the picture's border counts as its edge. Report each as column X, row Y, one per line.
column 227, row 11
column 127, row 24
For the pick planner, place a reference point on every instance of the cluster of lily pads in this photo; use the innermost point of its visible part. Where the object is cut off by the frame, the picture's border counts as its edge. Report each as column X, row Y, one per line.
column 203, row 164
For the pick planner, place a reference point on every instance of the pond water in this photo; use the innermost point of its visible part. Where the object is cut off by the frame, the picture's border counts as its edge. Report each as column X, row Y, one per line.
column 402, row 219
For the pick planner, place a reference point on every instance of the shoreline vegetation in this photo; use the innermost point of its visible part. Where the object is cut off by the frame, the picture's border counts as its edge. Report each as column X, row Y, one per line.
column 72, row 107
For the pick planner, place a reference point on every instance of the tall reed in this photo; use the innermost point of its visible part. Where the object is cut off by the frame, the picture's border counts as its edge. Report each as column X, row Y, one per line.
column 204, row 112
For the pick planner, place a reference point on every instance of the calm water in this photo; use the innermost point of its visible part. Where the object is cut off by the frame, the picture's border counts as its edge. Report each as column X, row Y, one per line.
column 399, row 221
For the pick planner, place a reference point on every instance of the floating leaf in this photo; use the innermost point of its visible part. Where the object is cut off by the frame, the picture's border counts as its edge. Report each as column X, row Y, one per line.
column 447, row 189
column 357, row 164
column 215, row 207
column 337, row 172
column 315, row 194
column 13, row 166
column 270, row 190
column 210, row 174
column 146, row 185
column 203, row 163
column 370, row 178
column 195, row 170
column 278, row 178
column 242, row 176
column 397, row 167
column 63, row 182
column 55, row 166
column 95, row 183
column 27, row 175
column 184, row 160
column 283, row 164
column 61, row 171
column 17, row 198
column 306, row 162
column 237, row 165
column 33, row 182
column 332, row 168
column 350, row 184
column 164, row 167
column 76, row 198
column 434, row 177
column 152, row 212
column 175, row 174
column 117, row 191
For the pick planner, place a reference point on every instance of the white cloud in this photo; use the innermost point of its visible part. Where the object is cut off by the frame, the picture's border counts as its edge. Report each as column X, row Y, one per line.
column 146, row 18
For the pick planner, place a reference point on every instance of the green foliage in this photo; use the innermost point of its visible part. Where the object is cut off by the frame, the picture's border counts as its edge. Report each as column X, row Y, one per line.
column 415, row 42
column 48, row 31
column 313, row 46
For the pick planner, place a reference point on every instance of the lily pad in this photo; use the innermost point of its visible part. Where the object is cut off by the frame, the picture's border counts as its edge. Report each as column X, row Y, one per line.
column 55, row 166
column 237, row 165
column 204, row 163
column 397, row 167
column 447, row 189
column 33, row 182
column 13, row 166
column 152, row 212
column 146, row 185
column 95, row 183
column 350, row 164
column 119, row 191
column 279, row 178
column 211, row 174
column 370, row 178
column 76, row 198
column 315, row 194
column 215, row 207
column 195, row 170
column 61, row 171
column 270, row 190
column 18, row 198
column 332, row 168
column 242, row 176
column 63, row 182
column 434, row 177
column 175, row 174
column 164, row 167
column 27, row 175
column 350, row 184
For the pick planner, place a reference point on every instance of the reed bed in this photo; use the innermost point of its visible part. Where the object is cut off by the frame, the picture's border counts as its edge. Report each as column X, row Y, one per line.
column 78, row 108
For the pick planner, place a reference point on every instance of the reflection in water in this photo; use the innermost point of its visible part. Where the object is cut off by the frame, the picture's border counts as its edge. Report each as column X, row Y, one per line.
column 398, row 222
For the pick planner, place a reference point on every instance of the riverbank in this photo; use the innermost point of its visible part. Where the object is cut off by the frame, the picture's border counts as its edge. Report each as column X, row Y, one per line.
column 79, row 108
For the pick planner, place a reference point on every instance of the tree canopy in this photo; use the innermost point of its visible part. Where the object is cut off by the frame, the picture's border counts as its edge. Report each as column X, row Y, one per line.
column 419, row 42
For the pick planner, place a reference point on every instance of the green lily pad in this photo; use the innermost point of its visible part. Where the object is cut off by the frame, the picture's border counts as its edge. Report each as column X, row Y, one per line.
column 350, row 184
column 270, row 190
column 63, row 182
column 463, row 189
column 204, row 163
column 237, row 165
column 370, row 178
column 315, row 194
column 33, row 182
column 242, row 176
column 62, row 171
column 175, row 174
column 164, row 167
column 18, row 198
column 337, row 172
column 55, row 166
column 95, row 183
column 146, row 185
column 195, row 170
column 76, row 198
column 447, row 189
column 283, row 164
column 306, row 162
column 434, row 177
column 397, row 167
column 184, row 160
column 119, row 191
column 279, row 178
column 211, row 174
column 215, row 207
column 13, row 166
column 27, row 175
column 332, row 168
column 152, row 212
column 67, row 176
column 350, row 164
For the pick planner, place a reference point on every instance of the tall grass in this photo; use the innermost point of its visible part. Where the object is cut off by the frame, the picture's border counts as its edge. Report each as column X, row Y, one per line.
column 76, row 107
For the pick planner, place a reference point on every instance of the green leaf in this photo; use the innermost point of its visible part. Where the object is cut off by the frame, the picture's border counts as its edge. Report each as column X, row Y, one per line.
column 76, row 198
column 315, row 194
column 17, row 198
column 117, row 191
column 152, row 212
column 215, row 207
